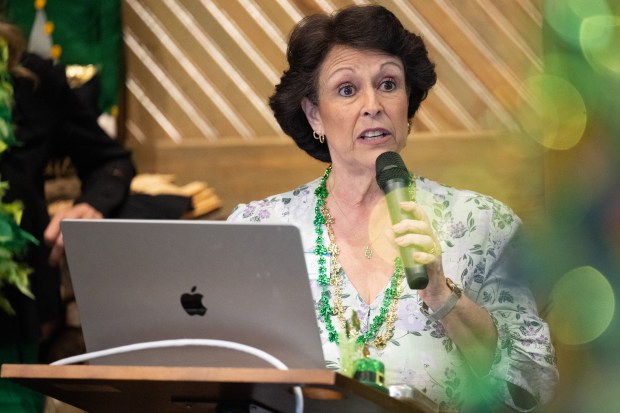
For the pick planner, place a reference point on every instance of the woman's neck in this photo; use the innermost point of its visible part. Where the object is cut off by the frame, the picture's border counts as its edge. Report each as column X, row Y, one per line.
column 353, row 190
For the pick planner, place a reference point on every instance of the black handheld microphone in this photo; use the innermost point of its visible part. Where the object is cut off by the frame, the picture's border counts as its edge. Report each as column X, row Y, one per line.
column 393, row 179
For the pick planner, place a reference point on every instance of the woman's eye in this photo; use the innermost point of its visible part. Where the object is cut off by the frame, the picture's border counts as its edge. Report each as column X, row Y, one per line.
column 346, row 90
column 388, row 85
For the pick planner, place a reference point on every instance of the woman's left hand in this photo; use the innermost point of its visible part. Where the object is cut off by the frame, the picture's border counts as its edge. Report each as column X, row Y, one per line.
column 419, row 234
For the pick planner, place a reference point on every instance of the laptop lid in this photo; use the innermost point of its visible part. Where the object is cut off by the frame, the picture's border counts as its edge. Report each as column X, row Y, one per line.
column 149, row 280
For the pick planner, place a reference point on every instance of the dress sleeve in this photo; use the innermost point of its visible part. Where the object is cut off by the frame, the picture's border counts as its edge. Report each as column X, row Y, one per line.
column 272, row 209
column 525, row 358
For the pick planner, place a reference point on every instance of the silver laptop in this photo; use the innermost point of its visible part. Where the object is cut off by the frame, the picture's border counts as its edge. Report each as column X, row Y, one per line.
column 144, row 280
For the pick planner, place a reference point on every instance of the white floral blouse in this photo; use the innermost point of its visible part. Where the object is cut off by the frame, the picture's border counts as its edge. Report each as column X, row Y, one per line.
column 475, row 232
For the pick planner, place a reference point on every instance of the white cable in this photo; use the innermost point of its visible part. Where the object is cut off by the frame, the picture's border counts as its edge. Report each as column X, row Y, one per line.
column 275, row 362
column 174, row 343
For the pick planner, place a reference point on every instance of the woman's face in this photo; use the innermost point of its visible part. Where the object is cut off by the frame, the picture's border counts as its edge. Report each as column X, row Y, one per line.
column 362, row 107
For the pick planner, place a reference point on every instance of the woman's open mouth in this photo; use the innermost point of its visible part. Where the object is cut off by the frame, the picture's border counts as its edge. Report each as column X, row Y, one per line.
column 373, row 135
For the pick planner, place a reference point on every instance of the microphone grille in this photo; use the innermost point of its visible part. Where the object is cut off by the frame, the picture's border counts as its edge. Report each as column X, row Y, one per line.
column 390, row 165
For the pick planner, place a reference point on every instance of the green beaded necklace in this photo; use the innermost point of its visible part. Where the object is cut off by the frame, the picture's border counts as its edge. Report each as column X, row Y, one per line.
column 387, row 312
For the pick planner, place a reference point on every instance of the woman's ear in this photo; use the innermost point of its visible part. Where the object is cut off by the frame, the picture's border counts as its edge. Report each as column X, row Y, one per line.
column 312, row 114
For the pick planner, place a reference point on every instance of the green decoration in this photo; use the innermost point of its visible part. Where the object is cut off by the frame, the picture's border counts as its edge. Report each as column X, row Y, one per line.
column 13, row 240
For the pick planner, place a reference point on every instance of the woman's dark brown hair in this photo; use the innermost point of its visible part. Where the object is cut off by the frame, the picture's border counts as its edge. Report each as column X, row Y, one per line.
column 360, row 27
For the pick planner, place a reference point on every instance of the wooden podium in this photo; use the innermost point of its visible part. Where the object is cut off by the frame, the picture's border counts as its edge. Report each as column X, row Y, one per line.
column 199, row 389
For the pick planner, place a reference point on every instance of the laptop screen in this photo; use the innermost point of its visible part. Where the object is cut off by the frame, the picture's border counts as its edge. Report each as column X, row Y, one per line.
column 148, row 280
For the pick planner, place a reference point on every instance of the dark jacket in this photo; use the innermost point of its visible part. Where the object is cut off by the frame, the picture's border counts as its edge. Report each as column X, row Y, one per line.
column 51, row 122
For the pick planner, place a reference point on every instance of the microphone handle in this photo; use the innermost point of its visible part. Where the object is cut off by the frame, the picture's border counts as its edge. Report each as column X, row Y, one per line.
column 397, row 191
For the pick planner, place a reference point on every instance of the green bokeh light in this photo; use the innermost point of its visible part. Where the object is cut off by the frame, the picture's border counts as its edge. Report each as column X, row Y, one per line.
column 555, row 113
column 583, row 306
column 600, row 42
column 566, row 16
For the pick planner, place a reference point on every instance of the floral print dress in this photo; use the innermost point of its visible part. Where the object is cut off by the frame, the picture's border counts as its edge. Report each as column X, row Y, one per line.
column 476, row 234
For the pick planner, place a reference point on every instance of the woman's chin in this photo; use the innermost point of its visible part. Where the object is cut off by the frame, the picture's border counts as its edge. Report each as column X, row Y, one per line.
column 380, row 145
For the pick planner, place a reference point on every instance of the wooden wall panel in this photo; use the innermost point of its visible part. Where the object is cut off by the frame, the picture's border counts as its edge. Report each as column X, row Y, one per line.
column 199, row 74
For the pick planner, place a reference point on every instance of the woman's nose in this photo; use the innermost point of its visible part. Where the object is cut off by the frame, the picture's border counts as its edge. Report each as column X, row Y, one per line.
column 372, row 106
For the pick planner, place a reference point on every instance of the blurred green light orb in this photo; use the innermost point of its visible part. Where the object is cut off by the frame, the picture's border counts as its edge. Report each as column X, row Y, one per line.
column 554, row 114
column 583, row 306
column 566, row 16
column 600, row 42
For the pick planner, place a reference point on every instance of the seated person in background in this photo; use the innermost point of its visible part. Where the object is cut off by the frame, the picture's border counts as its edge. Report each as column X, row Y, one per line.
column 472, row 339
column 48, row 121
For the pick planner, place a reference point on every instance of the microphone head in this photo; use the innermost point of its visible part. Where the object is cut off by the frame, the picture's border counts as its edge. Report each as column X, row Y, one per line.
column 389, row 166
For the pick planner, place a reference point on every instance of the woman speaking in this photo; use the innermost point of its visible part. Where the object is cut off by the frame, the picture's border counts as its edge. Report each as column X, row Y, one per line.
column 471, row 338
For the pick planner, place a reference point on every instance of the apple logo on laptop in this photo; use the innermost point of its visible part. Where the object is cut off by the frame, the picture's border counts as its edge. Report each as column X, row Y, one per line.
column 192, row 303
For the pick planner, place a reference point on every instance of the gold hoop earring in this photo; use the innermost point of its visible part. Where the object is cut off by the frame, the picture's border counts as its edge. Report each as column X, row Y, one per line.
column 318, row 136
